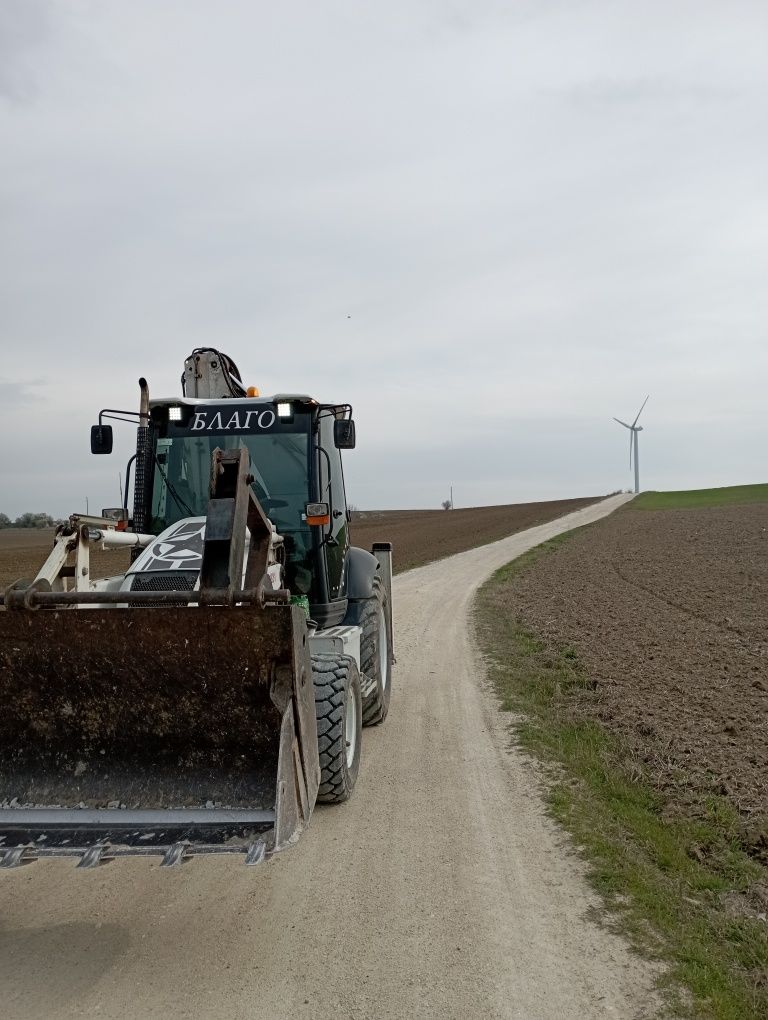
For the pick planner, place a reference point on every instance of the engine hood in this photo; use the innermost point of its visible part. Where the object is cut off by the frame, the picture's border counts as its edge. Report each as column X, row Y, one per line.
column 179, row 547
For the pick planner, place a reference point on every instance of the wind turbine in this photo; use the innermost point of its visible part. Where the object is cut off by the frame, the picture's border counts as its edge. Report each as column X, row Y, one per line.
column 634, row 428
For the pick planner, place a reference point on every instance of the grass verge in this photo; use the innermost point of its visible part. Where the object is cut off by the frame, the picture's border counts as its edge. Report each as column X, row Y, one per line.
column 691, row 498
column 674, row 884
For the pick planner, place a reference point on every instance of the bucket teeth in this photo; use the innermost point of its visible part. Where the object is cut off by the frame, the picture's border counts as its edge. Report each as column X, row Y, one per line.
column 15, row 857
column 256, row 852
column 94, row 856
column 177, row 853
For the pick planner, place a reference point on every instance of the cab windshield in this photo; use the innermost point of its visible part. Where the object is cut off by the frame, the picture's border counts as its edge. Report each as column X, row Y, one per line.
column 280, row 467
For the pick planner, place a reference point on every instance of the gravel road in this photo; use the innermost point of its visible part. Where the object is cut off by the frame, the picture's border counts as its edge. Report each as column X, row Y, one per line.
column 440, row 890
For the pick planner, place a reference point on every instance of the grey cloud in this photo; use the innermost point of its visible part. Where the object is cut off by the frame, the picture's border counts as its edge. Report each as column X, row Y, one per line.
column 525, row 232
column 18, row 393
column 653, row 91
column 24, row 28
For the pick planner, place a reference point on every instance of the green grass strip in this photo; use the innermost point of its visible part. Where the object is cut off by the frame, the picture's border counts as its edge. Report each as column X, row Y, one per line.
column 691, row 498
column 667, row 877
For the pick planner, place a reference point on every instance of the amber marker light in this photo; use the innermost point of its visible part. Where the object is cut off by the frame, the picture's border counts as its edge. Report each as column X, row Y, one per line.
column 252, row 391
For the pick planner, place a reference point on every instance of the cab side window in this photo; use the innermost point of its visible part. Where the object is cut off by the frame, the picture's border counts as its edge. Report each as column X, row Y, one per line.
column 332, row 492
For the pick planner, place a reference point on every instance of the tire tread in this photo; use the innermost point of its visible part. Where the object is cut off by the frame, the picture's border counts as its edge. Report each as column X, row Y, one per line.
column 332, row 675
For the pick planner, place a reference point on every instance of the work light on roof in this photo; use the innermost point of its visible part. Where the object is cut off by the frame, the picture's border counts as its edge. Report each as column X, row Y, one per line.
column 284, row 410
column 174, row 413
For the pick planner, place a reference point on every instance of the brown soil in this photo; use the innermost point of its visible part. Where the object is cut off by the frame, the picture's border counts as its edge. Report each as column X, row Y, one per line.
column 23, row 552
column 418, row 536
column 421, row 536
column 666, row 611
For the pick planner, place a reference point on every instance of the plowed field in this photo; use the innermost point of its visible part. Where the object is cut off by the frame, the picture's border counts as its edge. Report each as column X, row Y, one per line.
column 667, row 612
column 419, row 536
column 23, row 552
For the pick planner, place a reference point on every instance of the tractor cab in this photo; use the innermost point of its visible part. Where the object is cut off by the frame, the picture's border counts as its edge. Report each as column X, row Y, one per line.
column 294, row 445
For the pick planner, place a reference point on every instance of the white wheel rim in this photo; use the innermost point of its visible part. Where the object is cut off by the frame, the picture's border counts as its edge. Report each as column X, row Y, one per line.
column 383, row 649
column 350, row 728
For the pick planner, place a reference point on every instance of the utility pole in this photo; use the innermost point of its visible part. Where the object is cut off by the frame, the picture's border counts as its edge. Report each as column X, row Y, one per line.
column 451, row 497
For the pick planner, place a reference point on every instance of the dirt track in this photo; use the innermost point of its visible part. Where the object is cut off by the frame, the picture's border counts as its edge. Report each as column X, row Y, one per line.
column 440, row 890
column 421, row 536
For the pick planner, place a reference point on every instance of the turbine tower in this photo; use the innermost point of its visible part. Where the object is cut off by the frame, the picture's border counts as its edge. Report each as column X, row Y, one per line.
column 634, row 428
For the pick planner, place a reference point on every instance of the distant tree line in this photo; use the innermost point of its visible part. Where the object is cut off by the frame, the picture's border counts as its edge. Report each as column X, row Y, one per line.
column 28, row 521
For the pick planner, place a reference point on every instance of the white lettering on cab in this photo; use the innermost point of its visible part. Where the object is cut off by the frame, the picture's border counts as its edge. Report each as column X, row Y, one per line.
column 264, row 419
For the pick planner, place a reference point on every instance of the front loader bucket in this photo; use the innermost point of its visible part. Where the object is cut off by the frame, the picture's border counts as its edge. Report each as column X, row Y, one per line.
column 154, row 731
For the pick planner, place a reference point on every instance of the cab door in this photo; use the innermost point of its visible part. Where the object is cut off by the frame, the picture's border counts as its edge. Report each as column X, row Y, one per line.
column 332, row 492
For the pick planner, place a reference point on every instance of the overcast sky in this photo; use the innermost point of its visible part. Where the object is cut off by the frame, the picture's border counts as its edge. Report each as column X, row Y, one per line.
column 491, row 226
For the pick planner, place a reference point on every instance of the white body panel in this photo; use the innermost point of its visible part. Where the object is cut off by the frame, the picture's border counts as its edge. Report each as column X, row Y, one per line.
column 337, row 641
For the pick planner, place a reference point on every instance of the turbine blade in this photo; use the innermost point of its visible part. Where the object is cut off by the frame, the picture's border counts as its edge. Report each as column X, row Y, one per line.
column 622, row 423
column 640, row 411
column 631, row 438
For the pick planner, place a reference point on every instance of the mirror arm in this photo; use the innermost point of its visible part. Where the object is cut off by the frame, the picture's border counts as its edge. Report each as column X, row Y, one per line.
column 117, row 415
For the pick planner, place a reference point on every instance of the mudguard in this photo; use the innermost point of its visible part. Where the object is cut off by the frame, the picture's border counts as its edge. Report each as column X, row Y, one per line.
column 361, row 570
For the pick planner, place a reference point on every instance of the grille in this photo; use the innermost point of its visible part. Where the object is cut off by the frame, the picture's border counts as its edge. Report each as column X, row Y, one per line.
column 176, row 580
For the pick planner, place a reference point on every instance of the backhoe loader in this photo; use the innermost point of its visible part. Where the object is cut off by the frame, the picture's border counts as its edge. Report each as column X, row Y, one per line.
column 206, row 698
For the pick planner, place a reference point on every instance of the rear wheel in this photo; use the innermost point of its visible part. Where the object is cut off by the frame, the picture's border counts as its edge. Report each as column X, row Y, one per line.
column 375, row 657
column 338, row 707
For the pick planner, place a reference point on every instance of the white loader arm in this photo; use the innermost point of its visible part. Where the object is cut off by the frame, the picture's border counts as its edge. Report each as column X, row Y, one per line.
column 75, row 539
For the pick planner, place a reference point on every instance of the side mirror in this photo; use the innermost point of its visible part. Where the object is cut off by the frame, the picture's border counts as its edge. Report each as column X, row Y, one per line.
column 344, row 434
column 101, row 439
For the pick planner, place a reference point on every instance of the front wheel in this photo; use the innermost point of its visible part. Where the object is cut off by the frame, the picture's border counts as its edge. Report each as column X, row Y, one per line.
column 339, row 712
column 375, row 656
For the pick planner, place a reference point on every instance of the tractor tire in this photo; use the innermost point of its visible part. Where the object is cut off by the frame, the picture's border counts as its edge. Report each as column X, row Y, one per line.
column 338, row 707
column 375, row 657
